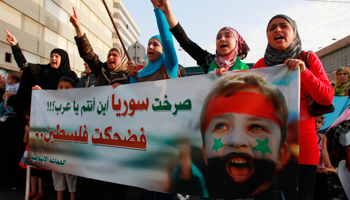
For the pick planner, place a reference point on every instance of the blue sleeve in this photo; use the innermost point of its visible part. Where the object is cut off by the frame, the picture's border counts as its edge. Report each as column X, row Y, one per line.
column 171, row 62
column 133, row 79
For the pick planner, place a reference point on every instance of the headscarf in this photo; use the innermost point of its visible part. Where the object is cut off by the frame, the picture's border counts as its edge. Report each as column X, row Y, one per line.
column 273, row 56
column 64, row 65
column 152, row 67
column 51, row 76
column 123, row 60
column 340, row 89
column 241, row 49
column 114, row 76
column 158, row 38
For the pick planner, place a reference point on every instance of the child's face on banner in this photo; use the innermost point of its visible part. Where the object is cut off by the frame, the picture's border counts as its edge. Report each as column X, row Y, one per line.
column 242, row 143
column 243, row 138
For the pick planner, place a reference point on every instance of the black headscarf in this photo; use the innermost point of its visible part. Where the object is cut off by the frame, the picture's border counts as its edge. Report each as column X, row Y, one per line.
column 51, row 75
column 44, row 76
column 64, row 65
column 273, row 56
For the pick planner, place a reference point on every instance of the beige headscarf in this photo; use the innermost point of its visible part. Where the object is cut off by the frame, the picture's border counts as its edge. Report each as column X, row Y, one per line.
column 123, row 59
column 116, row 75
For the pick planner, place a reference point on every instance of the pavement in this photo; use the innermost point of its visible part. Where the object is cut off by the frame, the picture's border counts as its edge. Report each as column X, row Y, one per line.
column 7, row 193
column 18, row 194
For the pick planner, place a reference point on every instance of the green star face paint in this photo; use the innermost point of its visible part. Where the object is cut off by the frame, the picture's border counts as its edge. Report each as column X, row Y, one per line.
column 217, row 144
column 241, row 133
column 263, row 146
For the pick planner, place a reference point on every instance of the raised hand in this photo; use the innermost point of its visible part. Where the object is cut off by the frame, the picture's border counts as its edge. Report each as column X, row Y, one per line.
column 11, row 39
column 164, row 6
column 74, row 19
column 155, row 3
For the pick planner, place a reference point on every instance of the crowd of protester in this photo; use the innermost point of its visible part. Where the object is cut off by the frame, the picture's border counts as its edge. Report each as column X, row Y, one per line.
column 283, row 47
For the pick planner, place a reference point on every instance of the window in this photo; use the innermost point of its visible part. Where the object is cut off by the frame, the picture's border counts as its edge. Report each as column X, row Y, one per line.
column 8, row 57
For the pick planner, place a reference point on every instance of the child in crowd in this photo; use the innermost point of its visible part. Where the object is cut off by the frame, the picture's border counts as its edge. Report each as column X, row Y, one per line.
column 36, row 176
column 59, row 179
column 11, row 88
column 324, row 166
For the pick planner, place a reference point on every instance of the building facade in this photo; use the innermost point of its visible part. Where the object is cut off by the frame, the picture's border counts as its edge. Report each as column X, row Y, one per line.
column 334, row 56
column 42, row 25
column 126, row 26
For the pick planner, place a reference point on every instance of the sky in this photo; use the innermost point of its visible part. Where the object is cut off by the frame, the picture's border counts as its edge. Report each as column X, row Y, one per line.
column 319, row 23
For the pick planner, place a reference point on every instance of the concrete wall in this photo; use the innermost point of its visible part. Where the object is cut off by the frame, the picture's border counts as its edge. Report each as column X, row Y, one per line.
column 42, row 25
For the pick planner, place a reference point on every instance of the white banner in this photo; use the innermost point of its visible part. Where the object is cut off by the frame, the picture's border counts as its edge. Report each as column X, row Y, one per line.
column 141, row 134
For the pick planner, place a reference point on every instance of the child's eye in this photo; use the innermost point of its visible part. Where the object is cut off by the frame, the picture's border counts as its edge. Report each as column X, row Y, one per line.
column 256, row 128
column 221, row 128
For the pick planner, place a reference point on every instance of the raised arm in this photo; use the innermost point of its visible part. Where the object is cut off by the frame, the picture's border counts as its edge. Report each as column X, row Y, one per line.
column 11, row 38
column 171, row 62
column 74, row 19
column 16, row 51
column 202, row 56
column 84, row 47
column 164, row 6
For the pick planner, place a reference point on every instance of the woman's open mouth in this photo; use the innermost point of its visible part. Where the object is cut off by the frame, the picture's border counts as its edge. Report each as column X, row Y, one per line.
column 239, row 167
column 278, row 38
column 223, row 46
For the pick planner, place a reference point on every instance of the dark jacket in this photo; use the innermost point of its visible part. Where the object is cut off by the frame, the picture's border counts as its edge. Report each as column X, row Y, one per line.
column 37, row 74
column 87, row 81
column 203, row 57
column 103, row 75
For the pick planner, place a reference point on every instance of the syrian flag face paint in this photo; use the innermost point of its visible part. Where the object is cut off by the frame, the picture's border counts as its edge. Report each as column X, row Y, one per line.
column 239, row 134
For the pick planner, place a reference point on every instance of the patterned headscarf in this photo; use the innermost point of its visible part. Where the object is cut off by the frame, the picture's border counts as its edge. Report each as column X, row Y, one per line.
column 241, row 49
column 123, row 59
column 273, row 56
column 341, row 89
